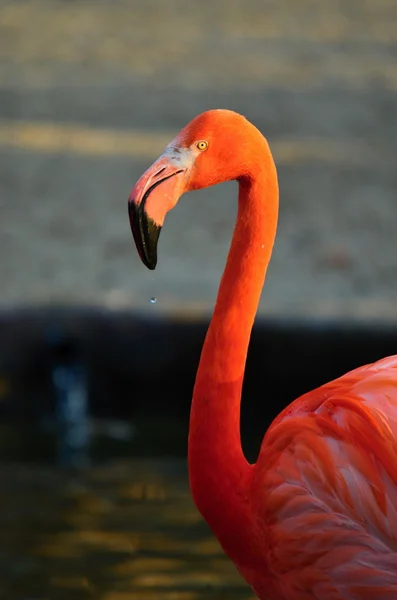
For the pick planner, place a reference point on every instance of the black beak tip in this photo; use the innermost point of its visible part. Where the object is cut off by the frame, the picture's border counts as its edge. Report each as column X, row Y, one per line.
column 146, row 235
column 151, row 264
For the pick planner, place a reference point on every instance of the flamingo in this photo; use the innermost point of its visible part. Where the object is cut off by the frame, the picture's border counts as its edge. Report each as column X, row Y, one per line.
column 316, row 516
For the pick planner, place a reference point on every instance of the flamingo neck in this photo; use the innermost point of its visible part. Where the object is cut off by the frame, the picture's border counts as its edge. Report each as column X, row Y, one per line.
column 219, row 472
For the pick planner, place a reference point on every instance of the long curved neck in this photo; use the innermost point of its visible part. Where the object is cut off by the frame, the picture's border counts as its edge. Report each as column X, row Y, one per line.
column 219, row 473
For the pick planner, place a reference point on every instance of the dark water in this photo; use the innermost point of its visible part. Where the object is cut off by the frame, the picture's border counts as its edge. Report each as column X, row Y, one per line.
column 124, row 531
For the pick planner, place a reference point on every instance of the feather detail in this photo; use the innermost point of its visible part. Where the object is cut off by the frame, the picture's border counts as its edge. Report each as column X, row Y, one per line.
column 324, row 489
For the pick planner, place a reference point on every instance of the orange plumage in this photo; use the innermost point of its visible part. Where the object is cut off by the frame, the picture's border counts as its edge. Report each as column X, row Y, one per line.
column 316, row 516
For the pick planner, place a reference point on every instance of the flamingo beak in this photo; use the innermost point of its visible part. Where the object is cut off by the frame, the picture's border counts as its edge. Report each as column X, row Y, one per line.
column 155, row 193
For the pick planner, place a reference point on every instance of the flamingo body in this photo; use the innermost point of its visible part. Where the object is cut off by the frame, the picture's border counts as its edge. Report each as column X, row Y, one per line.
column 316, row 517
column 324, row 489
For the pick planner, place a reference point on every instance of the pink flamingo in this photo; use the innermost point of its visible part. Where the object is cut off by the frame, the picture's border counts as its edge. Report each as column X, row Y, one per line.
column 316, row 516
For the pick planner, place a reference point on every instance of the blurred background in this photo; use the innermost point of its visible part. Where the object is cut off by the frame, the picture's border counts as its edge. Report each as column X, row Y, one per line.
column 97, row 354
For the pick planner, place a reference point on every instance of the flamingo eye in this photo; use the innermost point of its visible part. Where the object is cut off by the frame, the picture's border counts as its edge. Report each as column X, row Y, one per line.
column 202, row 145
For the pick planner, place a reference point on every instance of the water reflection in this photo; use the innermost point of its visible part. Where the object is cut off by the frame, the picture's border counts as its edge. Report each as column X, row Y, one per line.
column 72, row 415
column 69, row 380
column 120, row 532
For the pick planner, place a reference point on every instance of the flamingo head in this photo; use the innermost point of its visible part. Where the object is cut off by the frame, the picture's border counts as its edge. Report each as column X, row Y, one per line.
column 214, row 147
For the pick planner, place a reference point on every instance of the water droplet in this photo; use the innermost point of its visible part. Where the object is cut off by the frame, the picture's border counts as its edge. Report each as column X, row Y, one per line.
column 153, row 300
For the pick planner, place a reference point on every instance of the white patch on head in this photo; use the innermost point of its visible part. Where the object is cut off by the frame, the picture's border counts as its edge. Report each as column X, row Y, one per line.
column 180, row 157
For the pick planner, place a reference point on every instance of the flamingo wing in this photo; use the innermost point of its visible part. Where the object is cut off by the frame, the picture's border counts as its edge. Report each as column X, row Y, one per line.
column 324, row 490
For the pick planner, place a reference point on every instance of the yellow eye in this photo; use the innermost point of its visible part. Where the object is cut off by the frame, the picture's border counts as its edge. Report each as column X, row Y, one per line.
column 202, row 145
